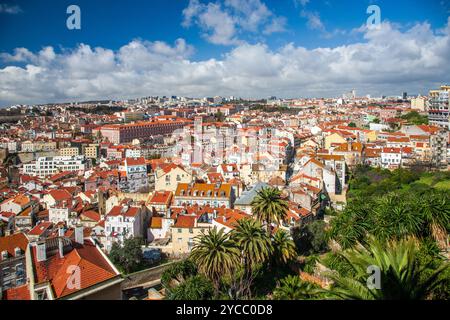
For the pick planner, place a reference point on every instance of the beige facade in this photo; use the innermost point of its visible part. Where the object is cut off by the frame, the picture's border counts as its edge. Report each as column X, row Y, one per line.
column 168, row 179
column 183, row 238
column 333, row 138
column 91, row 151
column 69, row 152
column 418, row 104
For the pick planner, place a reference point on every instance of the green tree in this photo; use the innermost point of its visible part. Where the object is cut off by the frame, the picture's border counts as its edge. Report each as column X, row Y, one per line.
column 311, row 238
column 255, row 247
column 215, row 254
column 128, row 257
column 269, row 206
column 293, row 288
column 177, row 273
column 401, row 274
column 435, row 208
column 194, row 288
column 283, row 247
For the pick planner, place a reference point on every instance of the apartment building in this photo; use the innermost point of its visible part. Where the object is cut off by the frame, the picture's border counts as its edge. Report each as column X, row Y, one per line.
column 91, row 151
column 202, row 194
column 12, row 261
column 125, row 133
column 47, row 166
column 37, row 146
column 133, row 175
column 439, row 109
column 123, row 222
column 69, row 152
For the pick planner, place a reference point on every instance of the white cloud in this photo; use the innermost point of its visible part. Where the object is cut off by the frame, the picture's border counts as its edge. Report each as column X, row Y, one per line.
column 223, row 22
column 388, row 61
column 301, row 2
column 6, row 8
column 313, row 20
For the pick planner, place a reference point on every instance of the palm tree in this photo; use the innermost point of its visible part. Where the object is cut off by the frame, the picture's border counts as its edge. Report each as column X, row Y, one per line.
column 215, row 254
column 396, row 216
column 283, row 247
column 194, row 288
column 401, row 276
column 255, row 247
column 351, row 225
column 269, row 206
column 293, row 288
column 435, row 208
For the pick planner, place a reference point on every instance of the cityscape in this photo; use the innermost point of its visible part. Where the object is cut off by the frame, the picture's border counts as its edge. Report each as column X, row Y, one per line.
column 238, row 163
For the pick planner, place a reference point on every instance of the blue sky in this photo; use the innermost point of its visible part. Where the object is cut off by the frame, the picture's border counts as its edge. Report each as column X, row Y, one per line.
column 220, row 30
column 113, row 23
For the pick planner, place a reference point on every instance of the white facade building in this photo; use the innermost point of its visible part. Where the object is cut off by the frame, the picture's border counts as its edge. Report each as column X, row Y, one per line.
column 47, row 166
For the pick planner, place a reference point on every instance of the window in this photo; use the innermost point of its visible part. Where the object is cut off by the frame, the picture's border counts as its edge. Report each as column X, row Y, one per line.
column 179, row 230
column 191, row 230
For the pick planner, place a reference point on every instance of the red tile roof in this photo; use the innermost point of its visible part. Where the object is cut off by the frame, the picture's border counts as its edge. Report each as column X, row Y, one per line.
column 161, row 197
column 9, row 243
column 117, row 210
column 185, row 221
column 135, row 161
column 94, row 269
column 60, row 195
column 40, row 228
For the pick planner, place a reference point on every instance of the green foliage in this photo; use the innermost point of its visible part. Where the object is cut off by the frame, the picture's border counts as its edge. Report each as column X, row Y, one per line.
column 311, row 238
column 178, row 272
column 293, row 288
column 255, row 247
column 413, row 117
column 352, row 125
column 215, row 254
column 268, row 206
column 402, row 276
column 252, row 241
column 393, row 205
column 219, row 116
column 283, row 248
column 309, row 263
column 194, row 288
column 129, row 257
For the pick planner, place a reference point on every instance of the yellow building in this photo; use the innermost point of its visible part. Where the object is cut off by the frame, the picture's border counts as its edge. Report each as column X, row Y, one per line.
column 69, row 152
column 183, row 232
column 168, row 177
column 334, row 138
column 91, row 151
column 418, row 104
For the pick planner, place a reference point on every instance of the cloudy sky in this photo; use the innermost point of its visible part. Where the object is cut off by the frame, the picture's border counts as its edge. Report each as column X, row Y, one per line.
column 196, row 48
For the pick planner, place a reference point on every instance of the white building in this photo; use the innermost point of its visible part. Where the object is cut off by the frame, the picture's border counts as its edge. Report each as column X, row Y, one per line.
column 47, row 166
column 123, row 222
column 391, row 157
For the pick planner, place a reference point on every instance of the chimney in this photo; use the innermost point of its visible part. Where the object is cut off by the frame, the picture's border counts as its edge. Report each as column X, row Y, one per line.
column 41, row 251
column 61, row 231
column 61, row 247
column 79, row 237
